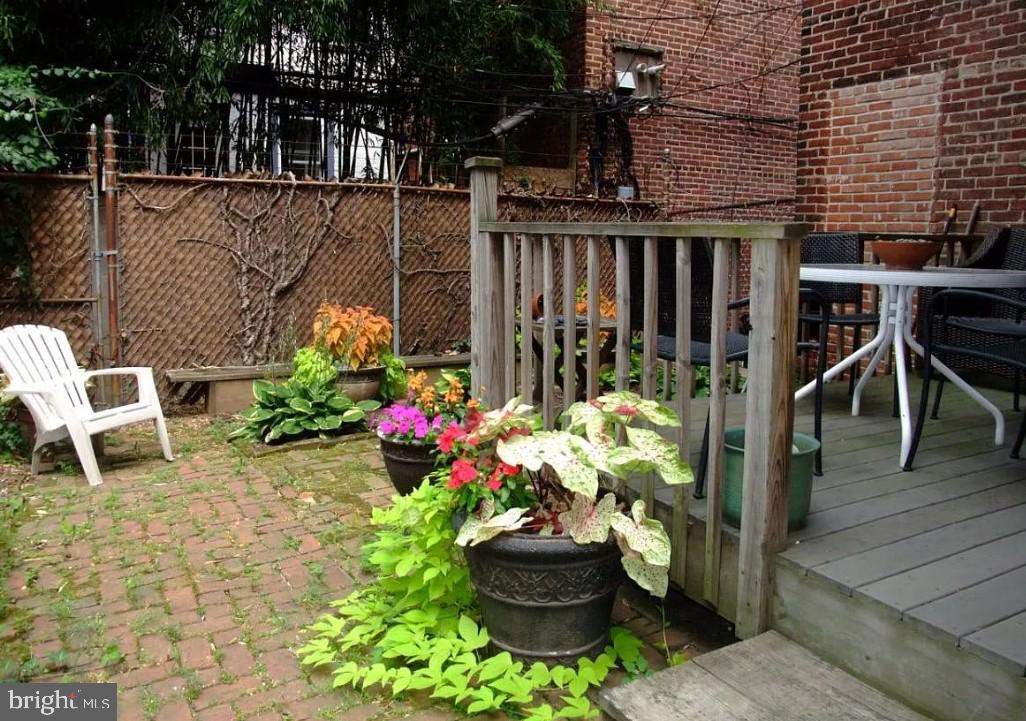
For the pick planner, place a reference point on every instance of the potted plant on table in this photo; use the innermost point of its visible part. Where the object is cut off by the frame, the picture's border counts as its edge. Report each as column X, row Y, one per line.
column 408, row 431
column 358, row 340
column 547, row 545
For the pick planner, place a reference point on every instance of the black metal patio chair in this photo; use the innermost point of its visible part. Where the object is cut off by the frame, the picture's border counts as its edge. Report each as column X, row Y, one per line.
column 838, row 248
column 701, row 326
column 1005, row 249
column 1007, row 344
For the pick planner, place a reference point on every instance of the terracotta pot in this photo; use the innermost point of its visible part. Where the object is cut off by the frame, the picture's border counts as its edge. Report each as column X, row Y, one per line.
column 407, row 463
column 361, row 384
column 905, row 254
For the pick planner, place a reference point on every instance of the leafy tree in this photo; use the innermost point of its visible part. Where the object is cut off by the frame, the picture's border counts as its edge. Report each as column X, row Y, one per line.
column 414, row 71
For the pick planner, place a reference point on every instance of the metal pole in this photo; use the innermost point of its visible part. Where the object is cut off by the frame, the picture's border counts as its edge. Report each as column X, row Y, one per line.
column 99, row 315
column 110, row 215
column 397, row 249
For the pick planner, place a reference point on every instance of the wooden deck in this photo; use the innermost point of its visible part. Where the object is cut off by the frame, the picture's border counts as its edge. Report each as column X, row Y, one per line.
column 914, row 581
column 766, row 678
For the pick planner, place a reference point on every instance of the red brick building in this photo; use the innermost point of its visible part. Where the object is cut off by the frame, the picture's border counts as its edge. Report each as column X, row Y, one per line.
column 908, row 106
column 693, row 105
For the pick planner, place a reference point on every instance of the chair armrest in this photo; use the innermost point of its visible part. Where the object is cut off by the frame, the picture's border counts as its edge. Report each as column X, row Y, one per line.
column 976, row 295
column 30, row 389
column 143, row 375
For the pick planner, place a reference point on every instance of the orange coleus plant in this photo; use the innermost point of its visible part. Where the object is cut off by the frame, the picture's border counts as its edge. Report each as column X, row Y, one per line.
column 356, row 335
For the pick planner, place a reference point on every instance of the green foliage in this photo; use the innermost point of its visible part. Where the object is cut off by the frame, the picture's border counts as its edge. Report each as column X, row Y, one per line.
column 12, row 444
column 293, row 410
column 393, row 382
column 564, row 468
column 311, row 366
column 607, row 377
column 417, row 627
column 12, row 510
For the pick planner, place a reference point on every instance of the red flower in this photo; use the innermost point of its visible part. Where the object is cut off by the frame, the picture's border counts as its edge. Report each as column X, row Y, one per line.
column 462, row 472
column 508, row 470
column 448, row 437
column 495, row 480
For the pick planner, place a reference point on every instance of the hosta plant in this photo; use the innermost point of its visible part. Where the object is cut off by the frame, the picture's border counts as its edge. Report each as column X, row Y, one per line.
column 510, row 476
column 355, row 336
column 292, row 410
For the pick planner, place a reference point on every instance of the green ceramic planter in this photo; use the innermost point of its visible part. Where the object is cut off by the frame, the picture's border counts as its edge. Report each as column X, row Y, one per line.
column 803, row 456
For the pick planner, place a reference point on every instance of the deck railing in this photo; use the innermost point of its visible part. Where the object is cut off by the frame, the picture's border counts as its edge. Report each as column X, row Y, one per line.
column 495, row 311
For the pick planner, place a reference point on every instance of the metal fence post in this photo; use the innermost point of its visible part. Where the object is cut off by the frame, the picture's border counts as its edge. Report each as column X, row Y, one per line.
column 97, row 267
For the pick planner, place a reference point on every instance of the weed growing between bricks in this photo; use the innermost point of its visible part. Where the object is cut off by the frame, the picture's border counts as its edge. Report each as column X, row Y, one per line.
column 186, row 583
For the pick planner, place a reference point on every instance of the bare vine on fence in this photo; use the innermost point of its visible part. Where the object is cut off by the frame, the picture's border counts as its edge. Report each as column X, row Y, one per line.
column 270, row 254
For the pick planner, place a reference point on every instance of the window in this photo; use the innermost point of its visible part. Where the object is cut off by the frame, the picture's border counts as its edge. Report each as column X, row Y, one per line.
column 638, row 69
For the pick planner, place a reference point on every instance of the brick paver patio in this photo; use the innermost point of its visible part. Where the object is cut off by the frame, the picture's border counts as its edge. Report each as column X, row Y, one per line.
column 188, row 583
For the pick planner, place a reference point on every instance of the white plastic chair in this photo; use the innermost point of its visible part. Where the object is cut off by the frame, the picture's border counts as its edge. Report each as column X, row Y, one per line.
column 43, row 373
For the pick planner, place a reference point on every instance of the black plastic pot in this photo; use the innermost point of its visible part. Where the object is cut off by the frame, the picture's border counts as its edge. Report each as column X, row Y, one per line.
column 407, row 463
column 546, row 598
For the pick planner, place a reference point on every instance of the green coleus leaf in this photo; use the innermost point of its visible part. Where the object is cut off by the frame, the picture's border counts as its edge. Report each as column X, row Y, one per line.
column 626, row 406
column 587, row 521
column 478, row 529
column 568, row 455
column 648, row 451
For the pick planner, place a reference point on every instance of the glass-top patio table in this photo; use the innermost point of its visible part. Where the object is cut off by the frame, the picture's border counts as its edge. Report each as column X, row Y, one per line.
column 896, row 289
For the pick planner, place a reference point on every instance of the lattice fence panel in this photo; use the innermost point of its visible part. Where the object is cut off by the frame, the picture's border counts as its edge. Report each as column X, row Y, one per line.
column 60, row 240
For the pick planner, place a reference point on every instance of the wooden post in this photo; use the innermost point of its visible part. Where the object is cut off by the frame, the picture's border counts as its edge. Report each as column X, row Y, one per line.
column 487, row 306
column 717, row 421
column 110, row 217
column 769, row 425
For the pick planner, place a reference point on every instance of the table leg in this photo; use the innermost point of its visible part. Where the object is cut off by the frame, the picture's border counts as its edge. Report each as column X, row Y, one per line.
column 835, row 371
column 885, row 337
column 981, row 400
column 902, row 323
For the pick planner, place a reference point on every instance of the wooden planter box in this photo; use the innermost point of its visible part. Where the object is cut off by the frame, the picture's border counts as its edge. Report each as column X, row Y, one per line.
column 229, row 389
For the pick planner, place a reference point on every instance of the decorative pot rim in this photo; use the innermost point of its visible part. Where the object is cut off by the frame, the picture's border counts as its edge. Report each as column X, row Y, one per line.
column 345, row 371
column 402, row 443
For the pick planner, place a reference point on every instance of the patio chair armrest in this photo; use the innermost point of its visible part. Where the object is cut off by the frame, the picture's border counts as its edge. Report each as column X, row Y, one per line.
column 30, row 389
column 143, row 375
column 976, row 295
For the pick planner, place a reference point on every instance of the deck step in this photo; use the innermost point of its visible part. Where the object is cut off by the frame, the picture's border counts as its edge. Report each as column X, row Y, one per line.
column 766, row 678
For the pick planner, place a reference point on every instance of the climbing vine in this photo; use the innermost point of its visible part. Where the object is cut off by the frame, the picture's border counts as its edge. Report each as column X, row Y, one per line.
column 417, row 627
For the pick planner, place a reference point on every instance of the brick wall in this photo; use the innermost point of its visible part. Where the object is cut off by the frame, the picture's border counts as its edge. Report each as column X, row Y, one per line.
column 909, row 106
column 683, row 158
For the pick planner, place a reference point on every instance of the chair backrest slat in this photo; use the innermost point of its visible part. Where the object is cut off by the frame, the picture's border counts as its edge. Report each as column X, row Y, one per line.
column 35, row 354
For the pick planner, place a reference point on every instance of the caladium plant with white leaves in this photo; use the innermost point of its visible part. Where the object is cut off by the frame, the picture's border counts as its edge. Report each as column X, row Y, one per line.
column 514, row 477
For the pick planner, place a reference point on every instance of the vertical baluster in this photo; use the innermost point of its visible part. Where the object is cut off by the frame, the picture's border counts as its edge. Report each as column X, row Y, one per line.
column 623, row 315
column 717, row 419
column 569, row 320
column 548, row 333
column 682, row 364
column 650, row 332
column 594, row 322
column 735, row 316
column 509, row 328
column 526, row 321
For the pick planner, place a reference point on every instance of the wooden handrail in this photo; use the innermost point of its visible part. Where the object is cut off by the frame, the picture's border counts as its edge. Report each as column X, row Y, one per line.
column 638, row 231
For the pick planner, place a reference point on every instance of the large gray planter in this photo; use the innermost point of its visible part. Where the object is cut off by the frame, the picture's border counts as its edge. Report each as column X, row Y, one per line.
column 546, row 598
